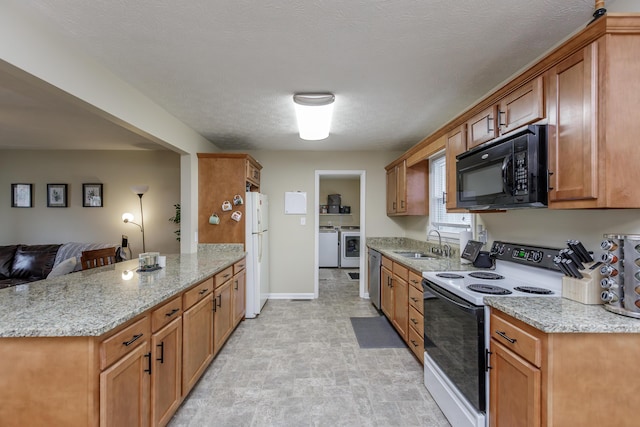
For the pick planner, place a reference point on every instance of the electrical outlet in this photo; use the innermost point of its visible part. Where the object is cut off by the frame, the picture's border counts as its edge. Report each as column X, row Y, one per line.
column 303, row 221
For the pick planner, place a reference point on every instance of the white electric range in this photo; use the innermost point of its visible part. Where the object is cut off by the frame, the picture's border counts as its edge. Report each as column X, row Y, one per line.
column 456, row 333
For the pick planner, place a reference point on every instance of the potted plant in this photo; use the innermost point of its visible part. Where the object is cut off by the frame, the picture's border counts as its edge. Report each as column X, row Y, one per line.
column 176, row 220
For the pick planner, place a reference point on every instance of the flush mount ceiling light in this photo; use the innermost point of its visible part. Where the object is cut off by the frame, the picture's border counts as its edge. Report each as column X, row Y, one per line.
column 313, row 112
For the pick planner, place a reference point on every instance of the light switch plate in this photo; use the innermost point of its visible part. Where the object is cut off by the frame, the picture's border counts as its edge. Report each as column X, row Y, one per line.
column 303, row 221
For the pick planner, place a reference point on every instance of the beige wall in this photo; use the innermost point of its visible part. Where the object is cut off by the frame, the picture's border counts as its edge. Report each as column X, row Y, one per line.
column 349, row 189
column 292, row 246
column 554, row 227
column 117, row 171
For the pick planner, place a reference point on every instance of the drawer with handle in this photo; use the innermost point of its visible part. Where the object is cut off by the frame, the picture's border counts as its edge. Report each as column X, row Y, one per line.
column 517, row 339
column 239, row 266
column 400, row 271
column 122, row 342
column 416, row 299
column 223, row 276
column 416, row 344
column 415, row 280
column 196, row 293
column 166, row 313
column 416, row 321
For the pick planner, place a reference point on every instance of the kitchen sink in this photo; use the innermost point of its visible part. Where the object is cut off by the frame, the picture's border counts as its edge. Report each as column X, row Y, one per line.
column 416, row 255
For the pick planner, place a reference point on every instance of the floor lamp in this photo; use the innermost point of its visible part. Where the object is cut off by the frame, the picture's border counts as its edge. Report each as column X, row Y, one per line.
column 128, row 217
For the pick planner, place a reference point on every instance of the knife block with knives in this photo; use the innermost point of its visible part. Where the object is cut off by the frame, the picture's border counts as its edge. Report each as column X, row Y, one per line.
column 581, row 281
column 586, row 290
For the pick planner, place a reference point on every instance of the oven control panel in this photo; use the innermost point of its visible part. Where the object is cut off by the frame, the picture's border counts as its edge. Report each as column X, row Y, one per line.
column 533, row 256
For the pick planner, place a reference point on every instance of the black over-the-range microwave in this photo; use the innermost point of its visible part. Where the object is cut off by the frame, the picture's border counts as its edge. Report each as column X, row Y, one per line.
column 507, row 173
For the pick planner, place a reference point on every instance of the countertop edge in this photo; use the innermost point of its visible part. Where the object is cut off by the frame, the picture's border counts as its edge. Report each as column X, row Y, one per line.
column 561, row 315
column 181, row 273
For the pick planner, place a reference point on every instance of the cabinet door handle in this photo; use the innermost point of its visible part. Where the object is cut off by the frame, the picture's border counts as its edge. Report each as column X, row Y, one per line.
column 487, row 359
column 161, row 358
column 549, row 187
column 415, row 322
column 148, row 356
column 172, row 312
column 415, row 344
column 219, row 300
column 132, row 340
column 226, row 275
column 401, row 204
column 506, row 337
column 489, row 120
column 394, row 206
column 414, row 299
column 500, row 113
column 236, row 287
column 204, row 291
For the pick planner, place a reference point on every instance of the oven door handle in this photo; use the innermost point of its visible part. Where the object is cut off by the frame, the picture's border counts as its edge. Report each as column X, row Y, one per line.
column 464, row 307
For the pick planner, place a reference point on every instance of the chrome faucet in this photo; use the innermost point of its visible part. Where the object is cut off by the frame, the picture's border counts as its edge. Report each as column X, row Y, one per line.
column 444, row 250
column 439, row 250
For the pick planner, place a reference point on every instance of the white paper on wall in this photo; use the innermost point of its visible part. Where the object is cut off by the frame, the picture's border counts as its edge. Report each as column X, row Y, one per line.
column 295, row 202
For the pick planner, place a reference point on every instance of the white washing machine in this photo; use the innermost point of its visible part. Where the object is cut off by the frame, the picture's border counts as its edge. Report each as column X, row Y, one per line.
column 350, row 247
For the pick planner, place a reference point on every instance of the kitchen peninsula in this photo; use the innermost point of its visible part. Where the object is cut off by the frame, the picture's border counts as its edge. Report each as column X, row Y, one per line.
column 75, row 347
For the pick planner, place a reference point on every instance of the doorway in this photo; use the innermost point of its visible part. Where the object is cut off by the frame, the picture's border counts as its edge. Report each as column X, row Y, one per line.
column 358, row 175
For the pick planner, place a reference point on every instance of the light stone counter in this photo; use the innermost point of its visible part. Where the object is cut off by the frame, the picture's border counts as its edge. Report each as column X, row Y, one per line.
column 388, row 246
column 92, row 302
column 561, row 315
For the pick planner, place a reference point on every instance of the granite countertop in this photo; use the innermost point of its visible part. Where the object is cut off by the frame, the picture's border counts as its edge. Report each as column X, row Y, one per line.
column 550, row 315
column 562, row 315
column 388, row 246
column 93, row 302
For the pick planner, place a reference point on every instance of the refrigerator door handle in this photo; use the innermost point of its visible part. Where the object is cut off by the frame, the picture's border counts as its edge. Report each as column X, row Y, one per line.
column 259, row 247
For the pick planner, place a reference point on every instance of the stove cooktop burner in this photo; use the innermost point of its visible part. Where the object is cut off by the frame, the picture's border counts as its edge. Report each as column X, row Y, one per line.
column 533, row 290
column 449, row 275
column 488, row 289
column 486, row 275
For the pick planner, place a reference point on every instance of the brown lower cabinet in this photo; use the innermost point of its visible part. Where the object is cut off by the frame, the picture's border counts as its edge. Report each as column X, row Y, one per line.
column 124, row 390
column 222, row 322
column 166, row 374
column 135, row 375
column 386, row 288
column 515, row 389
column 401, row 301
column 560, row 379
column 197, row 352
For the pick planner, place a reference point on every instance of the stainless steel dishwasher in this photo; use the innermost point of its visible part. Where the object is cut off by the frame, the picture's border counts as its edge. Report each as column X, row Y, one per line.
column 375, row 263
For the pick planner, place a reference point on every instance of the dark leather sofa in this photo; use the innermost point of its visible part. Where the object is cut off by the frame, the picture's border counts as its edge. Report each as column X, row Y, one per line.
column 25, row 263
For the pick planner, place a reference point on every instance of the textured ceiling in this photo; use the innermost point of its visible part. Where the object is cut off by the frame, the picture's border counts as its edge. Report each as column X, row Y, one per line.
column 399, row 68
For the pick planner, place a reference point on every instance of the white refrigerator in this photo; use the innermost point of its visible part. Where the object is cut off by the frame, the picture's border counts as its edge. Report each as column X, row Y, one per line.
column 257, row 248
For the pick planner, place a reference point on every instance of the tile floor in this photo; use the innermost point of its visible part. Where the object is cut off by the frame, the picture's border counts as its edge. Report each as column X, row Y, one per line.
column 299, row 364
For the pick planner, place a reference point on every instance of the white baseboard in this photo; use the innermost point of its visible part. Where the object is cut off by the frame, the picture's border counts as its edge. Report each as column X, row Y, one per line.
column 291, row 296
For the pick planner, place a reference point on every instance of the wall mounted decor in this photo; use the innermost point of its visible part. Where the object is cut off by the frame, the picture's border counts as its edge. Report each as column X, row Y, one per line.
column 295, row 202
column 92, row 195
column 57, row 196
column 21, row 195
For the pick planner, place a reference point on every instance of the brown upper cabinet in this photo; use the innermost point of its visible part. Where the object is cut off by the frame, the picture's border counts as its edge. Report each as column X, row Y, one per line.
column 522, row 106
column 456, row 144
column 594, row 99
column 408, row 189
column 221, row 176
column 587, row 91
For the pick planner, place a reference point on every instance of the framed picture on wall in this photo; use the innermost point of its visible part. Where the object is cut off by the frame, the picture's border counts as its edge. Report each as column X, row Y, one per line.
column 92, row 195
column 56, row 195
column 21, row 195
